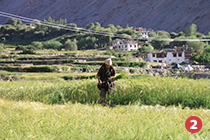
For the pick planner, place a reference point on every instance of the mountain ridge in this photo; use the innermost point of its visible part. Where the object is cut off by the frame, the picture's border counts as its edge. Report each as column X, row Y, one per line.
column 168, row 15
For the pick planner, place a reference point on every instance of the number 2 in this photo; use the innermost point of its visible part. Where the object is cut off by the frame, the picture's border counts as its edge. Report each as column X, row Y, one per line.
column 193, row 126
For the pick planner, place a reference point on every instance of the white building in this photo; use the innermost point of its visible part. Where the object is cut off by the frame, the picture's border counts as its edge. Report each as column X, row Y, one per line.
column 143, row 32
column 124, row 45
column 178, row 55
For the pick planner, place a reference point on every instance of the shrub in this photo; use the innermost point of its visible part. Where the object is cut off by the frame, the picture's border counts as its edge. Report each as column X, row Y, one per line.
column 132, row 71
column 29, row 50
column 37, row 45
column 71, row 46
column 53, row 45
column 19, row 47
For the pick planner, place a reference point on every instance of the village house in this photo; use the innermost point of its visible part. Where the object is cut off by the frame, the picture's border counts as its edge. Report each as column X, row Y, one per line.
column 143, row 32
column 177, row 55
column 124, row 45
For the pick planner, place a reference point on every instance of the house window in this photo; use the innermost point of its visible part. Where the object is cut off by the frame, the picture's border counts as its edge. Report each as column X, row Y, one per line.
column 180, row 55
column 130, row 45
column 174, row 54
column 131, row 49
column 153, row 55
column 155, row 61
column 160, row 61
column 135, row 46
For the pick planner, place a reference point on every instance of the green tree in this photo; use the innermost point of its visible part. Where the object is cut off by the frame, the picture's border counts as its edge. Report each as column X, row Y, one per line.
column 19, row 22
column 173, row 35
column 13, row 22
column 37, row 45
column 29, row 50
column 52, row 45
column 159, row 44
column 191, row 30
column 152, row 34
column 112, row 27
column 97, row 25
column 196, row 46
column 91, row 26
column 69, row 45
column 146, row 48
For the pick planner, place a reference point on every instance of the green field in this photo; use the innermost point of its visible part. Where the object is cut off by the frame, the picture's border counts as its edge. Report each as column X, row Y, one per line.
column 59, row 105
column 143, row 90
column 33, row 120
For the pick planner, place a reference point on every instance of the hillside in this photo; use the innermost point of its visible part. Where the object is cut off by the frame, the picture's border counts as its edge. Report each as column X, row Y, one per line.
column 166, row 15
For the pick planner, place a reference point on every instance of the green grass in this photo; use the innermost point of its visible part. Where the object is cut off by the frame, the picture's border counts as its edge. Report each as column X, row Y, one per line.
column 32, row 120
column 145, row 90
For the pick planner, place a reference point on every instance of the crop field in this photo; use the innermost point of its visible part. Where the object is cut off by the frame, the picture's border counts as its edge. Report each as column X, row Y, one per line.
column 61, row 101
column 144, row 90
column 34, row 120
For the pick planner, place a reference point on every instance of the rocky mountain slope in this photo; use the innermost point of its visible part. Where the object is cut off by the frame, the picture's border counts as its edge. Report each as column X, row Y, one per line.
column 169, row 15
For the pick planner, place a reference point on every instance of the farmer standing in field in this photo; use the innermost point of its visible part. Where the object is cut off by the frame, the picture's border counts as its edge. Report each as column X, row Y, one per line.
column 104, row 74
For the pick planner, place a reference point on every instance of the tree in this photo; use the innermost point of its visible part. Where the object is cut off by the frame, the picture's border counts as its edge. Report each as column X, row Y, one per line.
column 72, row 46
column 173, row 35
column 37, row 45
column 159, row 44
column 196, row 46
column 191, row 30
column 146, row 48
column 19, row 22
column 52, row 45
column 13, row 22
column 152, row 34
column 29, row 50
column 112, row 27
column 91, row 26
column 97, row 25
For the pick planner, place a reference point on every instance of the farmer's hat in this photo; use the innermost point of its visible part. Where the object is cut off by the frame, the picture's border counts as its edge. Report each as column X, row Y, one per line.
column 108, row 62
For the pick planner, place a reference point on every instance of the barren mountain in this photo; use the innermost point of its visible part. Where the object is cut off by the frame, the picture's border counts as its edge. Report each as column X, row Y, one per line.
column 169, row 15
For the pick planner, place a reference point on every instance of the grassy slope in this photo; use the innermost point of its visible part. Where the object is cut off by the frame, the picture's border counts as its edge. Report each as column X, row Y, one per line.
column 30, row 120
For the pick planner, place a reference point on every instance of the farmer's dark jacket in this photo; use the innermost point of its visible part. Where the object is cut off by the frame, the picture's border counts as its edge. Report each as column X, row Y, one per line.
column 104, row 74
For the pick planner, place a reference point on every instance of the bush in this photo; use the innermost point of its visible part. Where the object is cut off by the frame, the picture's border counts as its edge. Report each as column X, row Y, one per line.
column 29, row 50
column 19, row 47
column 56, row 45
column 146, row 48
column 37, row 45
column 71, row 46
column 132, row 71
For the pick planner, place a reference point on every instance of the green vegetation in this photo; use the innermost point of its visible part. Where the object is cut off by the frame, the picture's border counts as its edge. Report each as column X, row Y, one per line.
column 146, row 48
column 31, row 120
column 202, row 57
column 148, row 90
column 72, row 46
column 54, row 38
